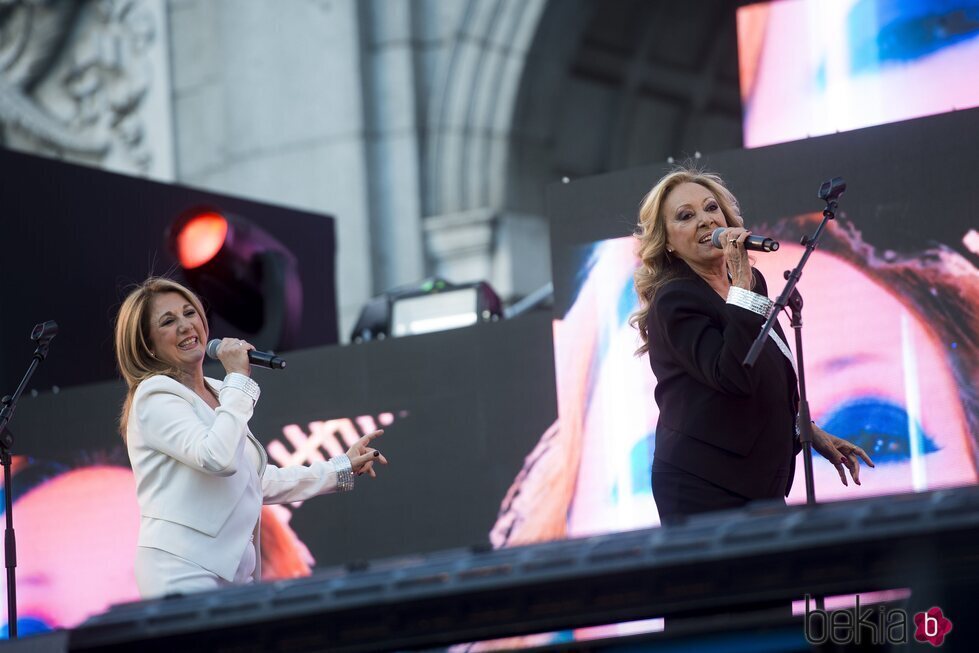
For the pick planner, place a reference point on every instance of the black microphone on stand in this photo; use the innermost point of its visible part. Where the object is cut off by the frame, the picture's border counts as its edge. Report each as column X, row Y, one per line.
column 256, row 358
column 752, row 242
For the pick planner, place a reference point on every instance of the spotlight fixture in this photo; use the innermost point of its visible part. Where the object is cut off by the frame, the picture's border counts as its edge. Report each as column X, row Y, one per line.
column 200, row 239
column 247, row 276
column 431, row 305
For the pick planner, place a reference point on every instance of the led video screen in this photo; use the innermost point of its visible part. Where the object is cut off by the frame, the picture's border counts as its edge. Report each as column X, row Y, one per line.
column 889, row 327
column 814, row 67
column 889, row 322
column 883, row 364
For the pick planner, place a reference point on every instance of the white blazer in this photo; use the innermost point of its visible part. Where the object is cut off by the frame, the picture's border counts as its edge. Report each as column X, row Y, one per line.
column 192, row 474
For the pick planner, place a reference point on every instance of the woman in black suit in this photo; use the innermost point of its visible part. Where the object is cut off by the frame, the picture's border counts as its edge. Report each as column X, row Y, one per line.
column 726, row 435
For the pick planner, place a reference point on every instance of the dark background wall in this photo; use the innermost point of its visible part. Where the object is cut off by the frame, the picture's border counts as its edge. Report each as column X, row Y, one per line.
column 74, row 238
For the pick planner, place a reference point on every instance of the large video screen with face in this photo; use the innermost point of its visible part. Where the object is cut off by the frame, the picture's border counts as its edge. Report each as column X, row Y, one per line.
column 882, row 356
column 889, row 320
column 889, row 323
column 814, row 67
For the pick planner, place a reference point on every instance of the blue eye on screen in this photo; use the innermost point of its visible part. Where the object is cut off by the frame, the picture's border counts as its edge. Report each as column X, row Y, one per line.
column 641, row 462
column 26, row 626
column 883, row 32
column 878, row 426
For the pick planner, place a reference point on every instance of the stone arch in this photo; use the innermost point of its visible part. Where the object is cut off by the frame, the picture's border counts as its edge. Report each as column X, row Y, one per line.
column 471, row 114
column 613, row 85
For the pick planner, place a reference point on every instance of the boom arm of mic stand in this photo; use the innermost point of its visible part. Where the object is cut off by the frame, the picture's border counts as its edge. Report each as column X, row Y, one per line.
column 791, row 280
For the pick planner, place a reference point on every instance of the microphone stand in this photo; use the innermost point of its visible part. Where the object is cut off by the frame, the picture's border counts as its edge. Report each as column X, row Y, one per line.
column 830, row 191
column 42, row 335
column 805, row 419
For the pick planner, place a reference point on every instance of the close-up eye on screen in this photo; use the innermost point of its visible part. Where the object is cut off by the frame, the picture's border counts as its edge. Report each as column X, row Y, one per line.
column 882, row 372
column 885, row 369
column 813, row 67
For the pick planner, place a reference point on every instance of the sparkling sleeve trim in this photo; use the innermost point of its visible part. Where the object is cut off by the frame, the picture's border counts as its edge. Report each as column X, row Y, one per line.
column 244, row 383
column 750, row 300
column 345, row 474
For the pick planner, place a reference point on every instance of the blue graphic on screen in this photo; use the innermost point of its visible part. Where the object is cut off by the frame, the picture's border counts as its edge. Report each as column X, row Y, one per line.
column 885, row 32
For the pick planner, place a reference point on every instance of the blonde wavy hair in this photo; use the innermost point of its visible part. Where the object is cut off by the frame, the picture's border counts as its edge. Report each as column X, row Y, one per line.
column 656, row 265
column 132, row 337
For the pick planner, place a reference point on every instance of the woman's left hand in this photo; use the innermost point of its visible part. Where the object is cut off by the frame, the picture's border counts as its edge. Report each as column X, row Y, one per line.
column 736, row 256
column 841, row 453
column 362, row 456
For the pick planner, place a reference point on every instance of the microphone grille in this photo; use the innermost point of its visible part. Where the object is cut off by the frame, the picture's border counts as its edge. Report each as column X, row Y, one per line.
column 212, row 347
column 715, row 238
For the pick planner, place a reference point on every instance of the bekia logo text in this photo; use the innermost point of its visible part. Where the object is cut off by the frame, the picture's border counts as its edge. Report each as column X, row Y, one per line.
column 881, row 626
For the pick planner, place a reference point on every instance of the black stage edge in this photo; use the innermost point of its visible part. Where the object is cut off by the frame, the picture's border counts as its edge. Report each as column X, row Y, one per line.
column 740, row 565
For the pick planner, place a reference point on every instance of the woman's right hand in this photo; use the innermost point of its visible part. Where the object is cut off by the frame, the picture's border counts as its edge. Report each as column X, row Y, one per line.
column 736, row 256
column 233, row 354
column 362, row 456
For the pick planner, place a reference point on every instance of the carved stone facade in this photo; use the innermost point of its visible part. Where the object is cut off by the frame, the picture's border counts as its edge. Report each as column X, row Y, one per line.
column 87, row 81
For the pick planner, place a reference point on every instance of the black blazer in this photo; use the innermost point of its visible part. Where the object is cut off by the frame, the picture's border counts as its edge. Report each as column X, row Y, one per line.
column 717, row 420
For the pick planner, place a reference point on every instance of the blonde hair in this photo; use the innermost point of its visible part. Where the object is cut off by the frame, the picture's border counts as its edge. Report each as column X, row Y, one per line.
column 656, row 266
column 132, row 337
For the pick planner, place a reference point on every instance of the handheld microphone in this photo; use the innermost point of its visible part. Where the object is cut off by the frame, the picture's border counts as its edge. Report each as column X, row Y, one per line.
column 752, row 242
column 256, row 358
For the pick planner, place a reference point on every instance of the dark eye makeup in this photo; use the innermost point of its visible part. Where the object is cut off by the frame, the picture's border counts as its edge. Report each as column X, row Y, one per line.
column 878, row 426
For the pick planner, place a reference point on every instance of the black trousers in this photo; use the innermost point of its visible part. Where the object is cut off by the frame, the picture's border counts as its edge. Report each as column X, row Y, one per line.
column 679, row 494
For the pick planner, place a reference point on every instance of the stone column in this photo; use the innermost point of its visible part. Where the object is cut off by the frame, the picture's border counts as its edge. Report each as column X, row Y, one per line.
column 393, row 157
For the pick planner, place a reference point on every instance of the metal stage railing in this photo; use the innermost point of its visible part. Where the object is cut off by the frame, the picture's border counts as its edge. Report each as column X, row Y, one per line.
column 748, row 561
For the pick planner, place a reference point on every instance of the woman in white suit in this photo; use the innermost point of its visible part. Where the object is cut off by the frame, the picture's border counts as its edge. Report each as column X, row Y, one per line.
column 201, row 476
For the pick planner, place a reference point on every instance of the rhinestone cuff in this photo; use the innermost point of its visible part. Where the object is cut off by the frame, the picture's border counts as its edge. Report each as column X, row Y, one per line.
column 345, row 473
column 750, row 300
column 244, row 383
column 798, row 429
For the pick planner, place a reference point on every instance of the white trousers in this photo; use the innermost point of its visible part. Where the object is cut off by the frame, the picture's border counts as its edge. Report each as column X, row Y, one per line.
column 159, row 573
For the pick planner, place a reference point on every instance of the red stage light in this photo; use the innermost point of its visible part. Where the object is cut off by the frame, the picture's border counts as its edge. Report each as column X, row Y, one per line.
column 246, row 276
column 200, row 239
